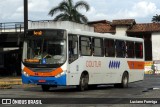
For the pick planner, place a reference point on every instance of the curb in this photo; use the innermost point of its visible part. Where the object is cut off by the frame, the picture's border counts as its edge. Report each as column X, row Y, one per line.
column 11, row 82
column 5, row 86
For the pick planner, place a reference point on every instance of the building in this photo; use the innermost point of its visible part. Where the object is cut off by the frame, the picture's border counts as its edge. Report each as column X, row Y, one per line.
column 10, row 48
column 10, row 43
column 150, row 32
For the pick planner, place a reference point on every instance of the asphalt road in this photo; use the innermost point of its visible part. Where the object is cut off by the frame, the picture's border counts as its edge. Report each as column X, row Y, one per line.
column 149, row 88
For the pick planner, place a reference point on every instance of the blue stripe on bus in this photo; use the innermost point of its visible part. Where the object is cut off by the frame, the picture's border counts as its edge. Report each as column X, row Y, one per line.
column 48, row 80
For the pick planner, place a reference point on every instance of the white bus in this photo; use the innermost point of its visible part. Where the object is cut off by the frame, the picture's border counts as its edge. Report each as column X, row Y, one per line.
column 54, row 57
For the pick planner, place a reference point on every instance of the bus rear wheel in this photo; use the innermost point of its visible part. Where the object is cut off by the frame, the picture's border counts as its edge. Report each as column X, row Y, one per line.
column 83, row 84
column 45, row 88
column 124, row 81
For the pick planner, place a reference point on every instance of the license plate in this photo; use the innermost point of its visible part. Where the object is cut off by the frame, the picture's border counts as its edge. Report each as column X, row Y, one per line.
column 42, row 81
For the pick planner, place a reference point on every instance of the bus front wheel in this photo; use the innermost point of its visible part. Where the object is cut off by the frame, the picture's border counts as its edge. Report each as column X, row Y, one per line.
column 83, row 84
column 45, row 87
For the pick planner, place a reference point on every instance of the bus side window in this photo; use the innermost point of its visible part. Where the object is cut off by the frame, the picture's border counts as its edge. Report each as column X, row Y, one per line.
column 109, row 45
column 72, row 47
column 130, row 49
column 139, row 50
column 97, row 44
column 85, row 46
column 120, row 49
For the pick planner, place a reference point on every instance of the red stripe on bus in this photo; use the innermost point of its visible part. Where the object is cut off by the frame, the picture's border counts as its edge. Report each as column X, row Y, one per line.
column 136, row 64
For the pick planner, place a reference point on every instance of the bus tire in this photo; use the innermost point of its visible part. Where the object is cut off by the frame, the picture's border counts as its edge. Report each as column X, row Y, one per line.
column 125, row 80
column 45, row 88
column 83, row 84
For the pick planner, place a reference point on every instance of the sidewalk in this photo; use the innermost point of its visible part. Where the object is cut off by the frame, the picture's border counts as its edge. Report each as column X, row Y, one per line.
column 8, row 81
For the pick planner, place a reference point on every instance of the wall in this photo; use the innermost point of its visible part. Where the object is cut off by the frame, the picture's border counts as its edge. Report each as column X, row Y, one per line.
column 121, row 30
column 156, row 51
column 59, row 25
column 13, row 30
column 156, row 46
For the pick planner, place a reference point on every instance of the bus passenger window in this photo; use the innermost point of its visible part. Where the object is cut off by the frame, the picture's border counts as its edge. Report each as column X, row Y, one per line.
column 130, row 49
column 109, row 45
column 85, row 46
column 97, row 46
column 73, row 47
column 139, row 50
column 120, row 49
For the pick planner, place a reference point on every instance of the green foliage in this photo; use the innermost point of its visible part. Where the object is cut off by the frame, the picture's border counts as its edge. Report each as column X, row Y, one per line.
column 69, row 11
column 156, row 18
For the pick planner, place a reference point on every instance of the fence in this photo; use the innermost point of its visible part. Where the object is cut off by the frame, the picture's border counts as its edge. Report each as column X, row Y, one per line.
column 12, row 27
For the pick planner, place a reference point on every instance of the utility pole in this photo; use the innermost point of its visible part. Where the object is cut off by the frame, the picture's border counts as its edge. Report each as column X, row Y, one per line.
column 25, row 16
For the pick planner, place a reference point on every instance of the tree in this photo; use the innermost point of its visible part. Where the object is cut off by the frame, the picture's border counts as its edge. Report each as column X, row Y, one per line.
column 69, row 11
column 156, row 18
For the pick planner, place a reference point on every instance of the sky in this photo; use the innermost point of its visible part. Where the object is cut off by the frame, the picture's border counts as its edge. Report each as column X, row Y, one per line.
column 140, row 10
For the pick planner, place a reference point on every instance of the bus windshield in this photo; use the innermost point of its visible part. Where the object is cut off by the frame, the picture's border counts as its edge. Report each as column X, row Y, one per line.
column 44, row 50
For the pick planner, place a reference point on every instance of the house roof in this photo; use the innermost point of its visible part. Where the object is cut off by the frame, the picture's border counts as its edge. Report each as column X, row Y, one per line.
column 104, row 26
column 123, row 22
column 145, row 27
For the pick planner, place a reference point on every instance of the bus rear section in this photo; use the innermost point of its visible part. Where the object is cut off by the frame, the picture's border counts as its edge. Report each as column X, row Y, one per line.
column 104, row 59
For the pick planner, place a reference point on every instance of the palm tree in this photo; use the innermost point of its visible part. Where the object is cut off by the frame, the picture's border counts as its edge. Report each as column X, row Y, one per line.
column 69, row 11
column 156, row 18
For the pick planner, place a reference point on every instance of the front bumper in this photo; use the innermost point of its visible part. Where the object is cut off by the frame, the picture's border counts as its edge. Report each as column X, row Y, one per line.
column 44, row 80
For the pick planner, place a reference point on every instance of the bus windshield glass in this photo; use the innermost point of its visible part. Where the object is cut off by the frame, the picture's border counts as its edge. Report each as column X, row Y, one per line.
column 44, row 49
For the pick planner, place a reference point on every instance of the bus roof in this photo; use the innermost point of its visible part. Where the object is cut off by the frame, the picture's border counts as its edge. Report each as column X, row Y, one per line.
column 110, row 36
column 95, row 34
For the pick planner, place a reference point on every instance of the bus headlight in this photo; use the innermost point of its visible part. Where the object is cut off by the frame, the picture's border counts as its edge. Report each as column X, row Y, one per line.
column 24, row 73
column 61, row 74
